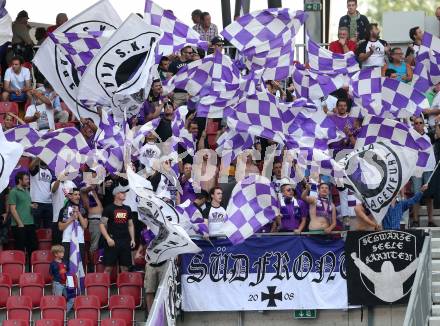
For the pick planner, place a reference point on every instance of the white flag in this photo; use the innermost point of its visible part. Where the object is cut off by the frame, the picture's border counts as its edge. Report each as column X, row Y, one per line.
column 377, row 172
column 59, row 71
column 5, row 29
column 118, row 67
column 10, row 153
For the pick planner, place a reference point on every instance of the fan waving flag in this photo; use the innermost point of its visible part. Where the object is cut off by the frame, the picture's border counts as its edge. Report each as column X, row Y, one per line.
column 54, row 65
column 176, row 33
column 377, row 172
column 323, row 61
column 266, row 40
column 253, row 204
column 80, row 48
column 376, row 129
column 10, row 153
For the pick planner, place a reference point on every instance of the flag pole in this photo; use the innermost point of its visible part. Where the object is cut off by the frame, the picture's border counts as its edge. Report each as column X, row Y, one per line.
column 435, row 169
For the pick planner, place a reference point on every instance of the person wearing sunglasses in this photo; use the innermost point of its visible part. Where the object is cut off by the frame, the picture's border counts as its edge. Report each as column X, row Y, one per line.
column 418, row 182
column 180, row 96
column 403, row 70
column 293, row 210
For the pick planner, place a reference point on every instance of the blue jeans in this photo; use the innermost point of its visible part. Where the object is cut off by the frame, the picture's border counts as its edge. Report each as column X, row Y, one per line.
column 60, row 289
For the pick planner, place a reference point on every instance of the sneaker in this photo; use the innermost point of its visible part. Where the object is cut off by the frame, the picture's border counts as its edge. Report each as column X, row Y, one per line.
column 415, row 224
column 432, row 225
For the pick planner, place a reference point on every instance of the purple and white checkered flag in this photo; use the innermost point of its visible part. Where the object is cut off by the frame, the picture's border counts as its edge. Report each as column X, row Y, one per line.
column 258, row 115
column 307, row 127
column 24, row 135
column 80, row 48
column 313, row 86
column 232, row 143
column 427, row 70
column 61, row 149
column 192, row 219
column 109, row 134
column 376, row 129
column 252, row 205
column 266, row 40
column 176, row 33
column 76, row 266
column 323, row 61
column 385, row 97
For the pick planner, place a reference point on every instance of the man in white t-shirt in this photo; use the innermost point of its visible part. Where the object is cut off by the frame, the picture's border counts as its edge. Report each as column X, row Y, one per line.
column 434, row 110
column 373, row 50
column 40, row 117
column 215, row 213
column 17, row 82
column 41, row 179
column 72, row 217
column 48, row 96
column 418, row 182
column 59, row 188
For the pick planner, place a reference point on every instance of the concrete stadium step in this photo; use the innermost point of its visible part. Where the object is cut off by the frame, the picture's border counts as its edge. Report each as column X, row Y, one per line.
column 434, row 321
column 435, row 276
column 435, row 310
column 436, row 265
column 435, row 243
column 435, row 287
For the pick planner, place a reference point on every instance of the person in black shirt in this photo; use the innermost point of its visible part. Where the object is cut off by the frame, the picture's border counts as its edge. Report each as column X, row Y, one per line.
column 180, row 97
column 119, row 234
column 164, row 130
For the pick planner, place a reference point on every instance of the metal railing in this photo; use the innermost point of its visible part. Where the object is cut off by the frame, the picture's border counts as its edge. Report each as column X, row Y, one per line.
column 420, row 301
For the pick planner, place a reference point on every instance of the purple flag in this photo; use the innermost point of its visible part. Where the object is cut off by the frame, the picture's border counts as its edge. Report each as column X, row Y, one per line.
column 176, row 33
column 376, row 129
column 252, row 205
column 323, row 61
column 427, row 71
column 266, row 39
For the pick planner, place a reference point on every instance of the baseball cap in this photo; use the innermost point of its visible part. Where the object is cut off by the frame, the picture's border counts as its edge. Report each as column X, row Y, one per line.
column 120, row 188
column 217, row 40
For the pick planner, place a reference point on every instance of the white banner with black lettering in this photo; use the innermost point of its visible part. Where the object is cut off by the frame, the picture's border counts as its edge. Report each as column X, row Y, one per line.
column 265, row 273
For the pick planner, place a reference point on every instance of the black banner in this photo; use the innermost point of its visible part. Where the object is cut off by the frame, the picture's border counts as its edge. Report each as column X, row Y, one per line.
column 381, row 266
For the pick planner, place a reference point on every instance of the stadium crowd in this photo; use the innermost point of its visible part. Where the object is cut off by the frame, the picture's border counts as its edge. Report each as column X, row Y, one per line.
column 107, row 212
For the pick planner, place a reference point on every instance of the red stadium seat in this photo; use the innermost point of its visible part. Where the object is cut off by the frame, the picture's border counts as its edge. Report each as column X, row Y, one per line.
column 80, row 322
column 98, row 284
column 5, row 289
column 44, row 237
column 19, row 307
column 131, row 284
column 15, row 322
column 112, row 322
column 99, row 267
column 60, row 125
column 12, row 262
column 53, row 307
column 122, row 307
column 49, row 322
column 32, row 285
column 40, row 262
column 8, row 107
column 87, row 307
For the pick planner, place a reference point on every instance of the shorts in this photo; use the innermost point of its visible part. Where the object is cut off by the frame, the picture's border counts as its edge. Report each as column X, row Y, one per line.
column 153, row 276
column 120, row 253
column 20, row 98
column 418, row 182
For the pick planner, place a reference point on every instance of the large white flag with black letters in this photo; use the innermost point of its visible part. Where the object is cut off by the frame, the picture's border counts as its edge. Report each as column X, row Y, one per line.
column 117, row 66
column 377, row 172
column 59, row 71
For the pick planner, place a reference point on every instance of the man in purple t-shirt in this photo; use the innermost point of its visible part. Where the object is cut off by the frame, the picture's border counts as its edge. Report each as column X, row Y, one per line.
column 293, row 211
